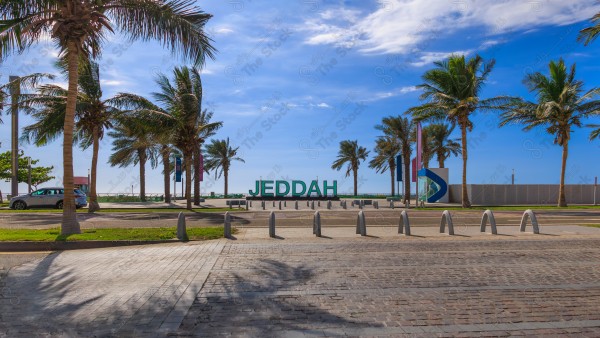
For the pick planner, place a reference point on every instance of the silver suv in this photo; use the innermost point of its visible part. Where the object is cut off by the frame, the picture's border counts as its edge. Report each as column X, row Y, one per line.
column 46, row 197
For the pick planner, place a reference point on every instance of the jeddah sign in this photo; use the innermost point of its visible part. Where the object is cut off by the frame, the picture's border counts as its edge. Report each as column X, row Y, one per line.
column 294, row 189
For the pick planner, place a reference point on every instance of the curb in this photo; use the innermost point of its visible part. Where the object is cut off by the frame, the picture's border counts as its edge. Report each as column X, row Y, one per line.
column 75, row 245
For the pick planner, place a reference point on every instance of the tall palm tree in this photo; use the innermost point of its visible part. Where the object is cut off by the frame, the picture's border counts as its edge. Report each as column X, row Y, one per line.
column 219, row 155
column 589, row 34
column 350, row 152
column 561, row 105
column 400, row 128
column 134, row 143
column 386, row 149
column 452, row 90
column 205, row 130
column 79, row 28
column 23, row 83
column 441, row 143
column 93, row 117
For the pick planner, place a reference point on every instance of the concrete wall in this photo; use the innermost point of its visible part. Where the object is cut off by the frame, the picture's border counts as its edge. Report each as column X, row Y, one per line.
column 507, row 194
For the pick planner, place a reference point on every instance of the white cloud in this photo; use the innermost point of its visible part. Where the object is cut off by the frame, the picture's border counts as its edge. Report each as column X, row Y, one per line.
column 323, row 105
column 224, row 30
column 427, row 58
column 112, row 83
column 402, row 26
column 393, row 93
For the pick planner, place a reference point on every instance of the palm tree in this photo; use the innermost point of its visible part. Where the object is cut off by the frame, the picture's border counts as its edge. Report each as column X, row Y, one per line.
column 400, row 128
column 350, row 152
column 561, row 105
column 452, row 89
column 441, row 143
column 589, row 34
column 205, row 130
column 93, row 117
column 134, row 143
column 21, row 83
column 387, row 148
column 219, row 155
column 80, row 27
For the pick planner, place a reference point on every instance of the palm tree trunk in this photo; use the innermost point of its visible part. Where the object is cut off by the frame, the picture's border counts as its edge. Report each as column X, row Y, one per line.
column 562, row 201
column 187, row 158
column 406, row 158
column 69, row 219
column 166, row 160
column 94, row 206
column 197, row 176
column 465, row 194
column 441, row 160
column 142, row 156
column 226, row 177
column 355, row 181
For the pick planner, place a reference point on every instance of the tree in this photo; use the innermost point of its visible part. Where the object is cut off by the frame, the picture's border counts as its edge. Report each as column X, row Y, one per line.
column 219, row 155
column 386, row 149
column 205, row 130
column 350, row 152
column 134, row 143
column 561, row 105
column 22, row 83
column 400, row 128
column 93, row 117
column 452, row 90
column 39, row 175
column 589, row 34
column 79, row 29
column 441, row 143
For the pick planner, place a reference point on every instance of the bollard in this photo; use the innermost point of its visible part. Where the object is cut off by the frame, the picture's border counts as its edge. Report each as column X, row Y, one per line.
column 181, row 228
column 273, row 204
column 392, row 204
column 446, row 218
column 404, row 224
column 312, row 205
column 227, row 225
column 272, row 224
column 247, row 204
column 319, row 204
column 361, row 226
column 307, row 203
column 345, row 205
column 329, row 205
column 361, row 204
column 488, row 215
column 263, row 205
column 529, row 214
column 279, row 205
column 250, row 204
column 285, row 204
column 376, row 204
column 296, row 205
column 317, row 224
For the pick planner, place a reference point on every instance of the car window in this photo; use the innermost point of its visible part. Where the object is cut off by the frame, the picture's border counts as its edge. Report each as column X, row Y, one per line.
column 38, row 192
column 61, row 191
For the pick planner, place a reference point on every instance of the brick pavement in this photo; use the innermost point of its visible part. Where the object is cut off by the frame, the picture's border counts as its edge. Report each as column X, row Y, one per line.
column 390, row 286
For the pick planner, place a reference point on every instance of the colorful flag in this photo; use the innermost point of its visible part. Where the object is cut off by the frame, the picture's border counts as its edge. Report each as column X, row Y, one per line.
column 414, row 169
column 419, row 146
column 177, row 169
column 399, row 168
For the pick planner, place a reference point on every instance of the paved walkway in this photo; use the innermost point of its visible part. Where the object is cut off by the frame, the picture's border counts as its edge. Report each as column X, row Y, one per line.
column 358, row 286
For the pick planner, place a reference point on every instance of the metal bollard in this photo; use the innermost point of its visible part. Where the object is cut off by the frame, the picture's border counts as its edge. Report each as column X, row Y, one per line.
column 272, row 224
column 273, row 204
column 312, row 205
column 263, row 205
column 181, row 228
column 317, row 224
column 392, row 204
column 319, row 204
column 329, row 205
column 361, row 225
column 345, row 205
column 488, row 215
column 227, row 225
column 279, row 205
column 529, row 214
column 296, row 205
column 376, row 204
column 285, row 204
column 446, row 218
column 404, row 224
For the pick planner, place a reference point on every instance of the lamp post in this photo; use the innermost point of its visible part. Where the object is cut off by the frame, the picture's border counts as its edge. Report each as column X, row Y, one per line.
column 15, row 92
column 29, row 175
column 513, row 177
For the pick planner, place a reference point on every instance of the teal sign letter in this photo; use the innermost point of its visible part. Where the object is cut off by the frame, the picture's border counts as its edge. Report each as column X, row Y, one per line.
column 332, row 187
column 314, row 188
column 279, row 192
column 295, row 192
column 266, row 187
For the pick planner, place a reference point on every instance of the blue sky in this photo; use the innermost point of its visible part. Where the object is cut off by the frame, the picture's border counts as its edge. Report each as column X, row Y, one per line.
column 292, row 79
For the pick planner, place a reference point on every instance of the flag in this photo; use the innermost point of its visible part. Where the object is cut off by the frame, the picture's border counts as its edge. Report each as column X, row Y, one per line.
column 399, row 168
column 419, row 146
column 177, row 169
column 201, row 167
column 414, row 169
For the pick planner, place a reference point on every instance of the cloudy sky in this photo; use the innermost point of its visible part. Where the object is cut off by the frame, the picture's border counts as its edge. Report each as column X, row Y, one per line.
column 292, row 79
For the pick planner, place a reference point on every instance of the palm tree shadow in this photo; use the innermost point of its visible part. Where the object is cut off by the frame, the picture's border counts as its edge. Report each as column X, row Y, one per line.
column 268, row 300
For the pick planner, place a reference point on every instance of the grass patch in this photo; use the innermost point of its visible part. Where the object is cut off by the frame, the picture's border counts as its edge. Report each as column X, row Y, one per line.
column 109, row 234
column 120, row 210
column 515, row 208
column 591, row 225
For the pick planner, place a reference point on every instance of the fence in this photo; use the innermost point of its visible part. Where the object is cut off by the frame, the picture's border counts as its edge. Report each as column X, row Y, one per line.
column 524, row 194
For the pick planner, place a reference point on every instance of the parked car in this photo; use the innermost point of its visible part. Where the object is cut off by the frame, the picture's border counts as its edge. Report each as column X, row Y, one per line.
column 46, row 197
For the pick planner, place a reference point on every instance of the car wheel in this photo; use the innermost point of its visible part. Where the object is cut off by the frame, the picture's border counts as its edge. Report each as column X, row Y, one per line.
column 19, row 205
column 59, row 205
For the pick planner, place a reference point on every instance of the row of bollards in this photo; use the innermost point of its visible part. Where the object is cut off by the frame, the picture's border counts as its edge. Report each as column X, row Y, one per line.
column 361, row 224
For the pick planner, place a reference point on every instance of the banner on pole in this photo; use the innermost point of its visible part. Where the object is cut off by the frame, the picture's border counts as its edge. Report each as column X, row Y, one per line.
column 177, row 169
column 399, row 168
column 414, row 170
